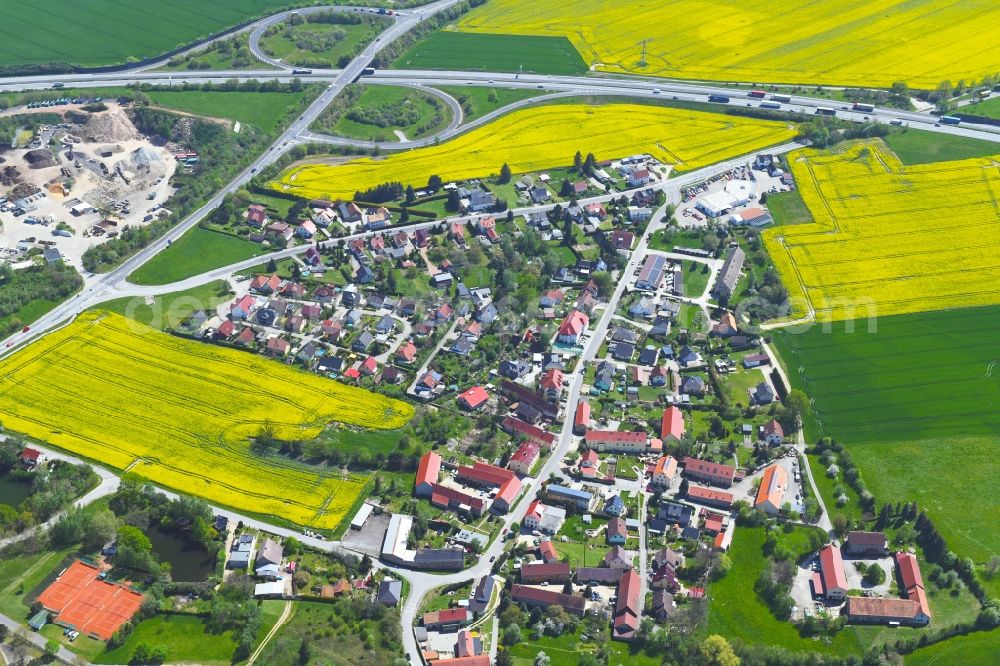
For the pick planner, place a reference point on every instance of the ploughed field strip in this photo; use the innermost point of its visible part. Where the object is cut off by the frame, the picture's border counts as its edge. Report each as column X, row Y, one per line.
column 877, row 43
column 181, row 413
column 888, row 238
column 547, row 137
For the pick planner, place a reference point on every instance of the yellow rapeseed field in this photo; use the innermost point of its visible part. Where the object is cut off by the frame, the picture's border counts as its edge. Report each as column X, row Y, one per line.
column 888, row 238
column 836, row 42
column 179, row 413
column 547, row 137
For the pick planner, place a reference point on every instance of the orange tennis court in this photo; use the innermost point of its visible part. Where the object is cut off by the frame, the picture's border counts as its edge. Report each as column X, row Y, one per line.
column 90, row 605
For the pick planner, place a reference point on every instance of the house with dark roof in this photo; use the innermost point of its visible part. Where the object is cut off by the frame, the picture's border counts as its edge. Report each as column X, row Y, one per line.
column 390, row 592
column 617, row 534
column 866, row 543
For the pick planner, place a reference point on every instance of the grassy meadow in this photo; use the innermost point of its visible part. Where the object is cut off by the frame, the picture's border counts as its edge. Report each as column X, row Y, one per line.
column 197, row 251
column 106, row 32
column 914, row 402
column 493, row 53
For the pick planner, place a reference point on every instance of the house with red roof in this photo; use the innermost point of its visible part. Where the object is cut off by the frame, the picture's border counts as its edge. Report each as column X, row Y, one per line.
column 831, row 576
column 427, row 474
column 277, row 346
column 473, row 398
column 912, row 609
column 369, row 367
column 542, row 572
column 444, row 619
column 628, row 607
column 589, row 459
column 672, row 424
column 524, row 458
column 483, row 475
column 573, row 326
column 30, row 456
column 773, row 433
column 406, row 352
column 617, row 534
column 771, row 493
column 535, row 597
column 714, row 522
column 242, row 307
column 547, row 551
column 453, row 499
column 265, row 284
column 256, row 216
column 552, row 383
column 245, row 337
column 709, row 472
column 663, row 473
column 533, row 433
column 617, row 441
column 352, row 373
column 226, row 330
column 710, row 496
column 582, row 419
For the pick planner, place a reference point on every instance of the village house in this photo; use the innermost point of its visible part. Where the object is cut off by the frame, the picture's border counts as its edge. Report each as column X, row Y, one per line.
column 617, row 441
column 709, row 472
column 873, row 544
column 830, row 581
column 535, row 597
column 663, row 473
column 672, row 425
column 771, row 493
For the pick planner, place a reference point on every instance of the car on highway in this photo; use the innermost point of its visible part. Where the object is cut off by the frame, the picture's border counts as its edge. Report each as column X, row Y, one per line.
column 656, row 91
column 25, row 329
column 540, row 86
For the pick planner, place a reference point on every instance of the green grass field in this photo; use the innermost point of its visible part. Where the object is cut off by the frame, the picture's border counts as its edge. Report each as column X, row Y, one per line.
column 265, row 110
column 197, row 251
column 286, row 44
column 478, row 101
column 981, row 647
column 788, row 208
column 736, row 610
column 920, row 147
column 184, row 636
column 171, row 309
column 988, row 109
column 429, row 114
column 493, row 53
column 695, row 279
column 102, row 32
column 914, row 402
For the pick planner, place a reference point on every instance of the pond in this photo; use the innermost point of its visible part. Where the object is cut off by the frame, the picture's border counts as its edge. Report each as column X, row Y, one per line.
column 190, row 562
column 13, row 492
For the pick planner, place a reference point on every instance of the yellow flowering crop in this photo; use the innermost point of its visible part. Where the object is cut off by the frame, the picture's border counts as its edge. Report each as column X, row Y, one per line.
column 836, row 42
column 888, row 238
column 180, row 413
column 546, row 137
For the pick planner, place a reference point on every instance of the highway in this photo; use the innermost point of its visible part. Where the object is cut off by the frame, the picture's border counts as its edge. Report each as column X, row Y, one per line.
column 101, row 283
